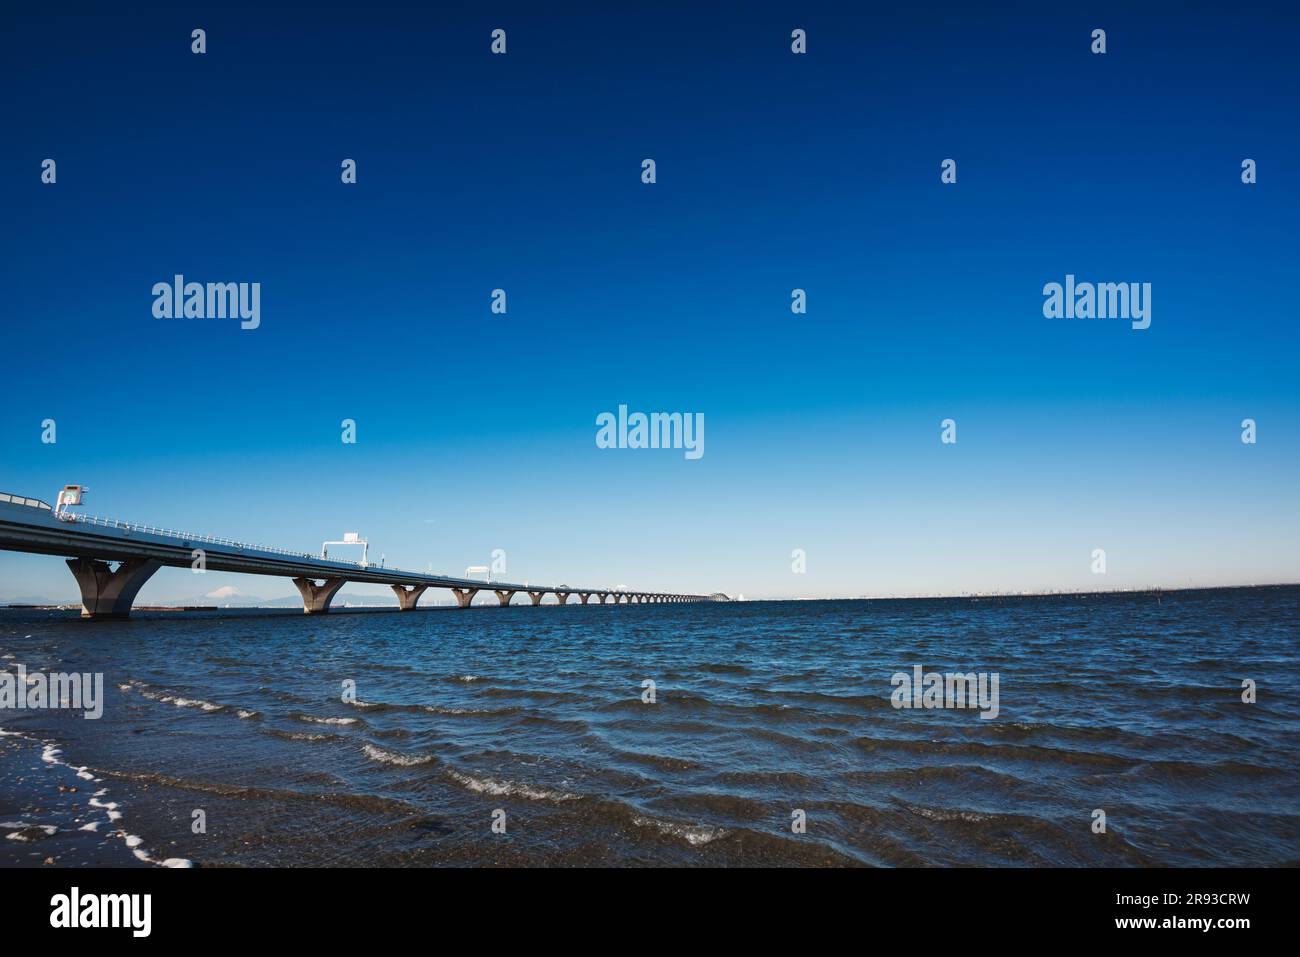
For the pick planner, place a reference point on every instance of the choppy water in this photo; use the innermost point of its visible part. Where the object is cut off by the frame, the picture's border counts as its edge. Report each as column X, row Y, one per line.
column 1131, row 704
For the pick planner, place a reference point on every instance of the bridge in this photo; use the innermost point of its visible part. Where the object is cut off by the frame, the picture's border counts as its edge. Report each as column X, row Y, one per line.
column 112, row 560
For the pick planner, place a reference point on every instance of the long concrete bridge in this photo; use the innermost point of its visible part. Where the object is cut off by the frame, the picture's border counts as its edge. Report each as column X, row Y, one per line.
column 93, row 546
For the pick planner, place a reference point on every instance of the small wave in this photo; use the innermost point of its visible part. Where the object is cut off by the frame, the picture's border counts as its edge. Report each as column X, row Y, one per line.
column 313, row 719
column 384, row 756
column 693, row 834
column 510, row 788
column 177, row 700
column 479, row 712
column 301, row 735
column 191, row 703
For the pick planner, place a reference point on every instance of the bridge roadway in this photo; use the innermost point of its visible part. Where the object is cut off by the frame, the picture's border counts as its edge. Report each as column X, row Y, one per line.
column 90, row 544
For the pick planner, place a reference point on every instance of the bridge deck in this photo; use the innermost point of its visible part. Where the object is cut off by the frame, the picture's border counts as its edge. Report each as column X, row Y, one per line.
column 30, row 525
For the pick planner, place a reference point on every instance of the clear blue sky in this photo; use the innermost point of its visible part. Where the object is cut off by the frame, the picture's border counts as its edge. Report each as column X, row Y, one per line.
column 775, row 171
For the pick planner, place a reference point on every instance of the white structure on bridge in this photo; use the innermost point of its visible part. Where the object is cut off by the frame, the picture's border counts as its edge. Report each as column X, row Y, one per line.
column 349, row 538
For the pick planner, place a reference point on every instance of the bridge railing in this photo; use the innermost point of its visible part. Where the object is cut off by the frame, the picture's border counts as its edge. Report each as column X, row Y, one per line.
column 190, row 538
column 81, row 519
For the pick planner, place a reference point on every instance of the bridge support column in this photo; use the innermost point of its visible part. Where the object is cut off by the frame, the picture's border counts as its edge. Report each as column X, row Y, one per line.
column 316, row 598
column 109, row 592
column 583, row 596
column 562, row 597
column 505, row 596
column 536, row 596
column 408, row 597
column 464, row 596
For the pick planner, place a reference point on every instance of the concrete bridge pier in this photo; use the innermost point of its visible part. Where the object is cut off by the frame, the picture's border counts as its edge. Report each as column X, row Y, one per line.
column 464, row 596
column 536, row 596
column 583, row 596
column 562, row 597
column 110, row 592
column 316, row 598
column 408, row 596
column 505, row 596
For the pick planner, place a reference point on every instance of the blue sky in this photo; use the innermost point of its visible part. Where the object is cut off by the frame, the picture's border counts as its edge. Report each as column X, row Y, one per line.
column 775, row 171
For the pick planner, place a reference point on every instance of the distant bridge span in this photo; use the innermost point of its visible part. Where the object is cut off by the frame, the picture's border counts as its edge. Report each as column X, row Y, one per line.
column 91, row 544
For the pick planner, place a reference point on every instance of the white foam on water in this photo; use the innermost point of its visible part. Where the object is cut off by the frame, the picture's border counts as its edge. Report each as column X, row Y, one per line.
column 91, row 826
column 510, row 788
column 693, row 834
column 246, row 714
column 179, row 701
column 191, row 703
column 314, row 720
column 392, row 757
